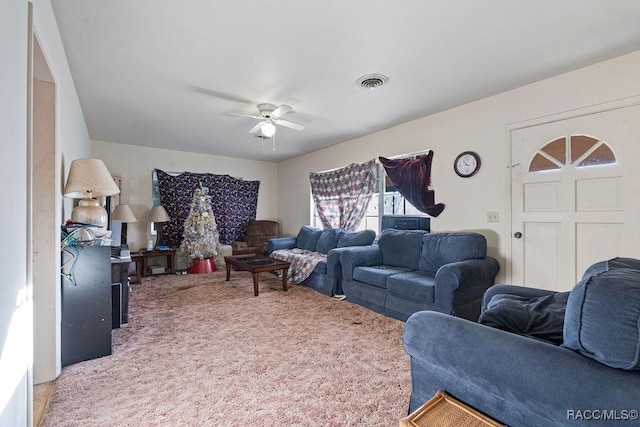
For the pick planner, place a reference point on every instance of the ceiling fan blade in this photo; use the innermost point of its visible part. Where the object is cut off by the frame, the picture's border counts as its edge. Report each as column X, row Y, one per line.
column 289, row 124
column 280, row 111
column 222, row 95
column 245, row 115
column 257, row 127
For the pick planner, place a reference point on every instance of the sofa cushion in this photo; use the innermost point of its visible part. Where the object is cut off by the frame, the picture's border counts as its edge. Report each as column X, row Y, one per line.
column 328, row 240
column 356, row 238
column 538, row 317
column 439, row 249
column 308, row 238
column 416, row 285
column 376, row 275
column 401, row 248
column 602, row 320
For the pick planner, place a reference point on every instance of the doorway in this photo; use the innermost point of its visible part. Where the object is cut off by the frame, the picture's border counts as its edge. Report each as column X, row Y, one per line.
column 574, row 186
column 45, row 226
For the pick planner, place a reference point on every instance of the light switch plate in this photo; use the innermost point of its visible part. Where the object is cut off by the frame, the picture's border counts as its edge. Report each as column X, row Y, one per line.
column 493, row 217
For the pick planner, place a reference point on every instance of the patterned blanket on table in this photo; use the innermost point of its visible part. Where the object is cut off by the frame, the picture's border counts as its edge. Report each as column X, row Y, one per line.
column 302, row 262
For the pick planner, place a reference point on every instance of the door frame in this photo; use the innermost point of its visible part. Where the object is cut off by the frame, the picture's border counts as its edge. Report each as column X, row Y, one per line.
column 551, row 118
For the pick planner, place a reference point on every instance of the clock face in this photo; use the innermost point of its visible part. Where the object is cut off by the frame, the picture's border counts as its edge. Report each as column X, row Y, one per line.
column 467, row 164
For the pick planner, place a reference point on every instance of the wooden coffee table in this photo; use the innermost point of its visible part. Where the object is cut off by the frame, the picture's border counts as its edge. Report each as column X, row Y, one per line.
column 256, row 264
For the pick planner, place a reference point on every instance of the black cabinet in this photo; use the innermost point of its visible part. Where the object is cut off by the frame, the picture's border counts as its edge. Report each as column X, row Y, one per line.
column 120, row 275
column 86, row 303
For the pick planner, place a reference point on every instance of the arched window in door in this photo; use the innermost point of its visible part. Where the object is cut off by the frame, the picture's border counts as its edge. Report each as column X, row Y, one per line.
column 574, row 150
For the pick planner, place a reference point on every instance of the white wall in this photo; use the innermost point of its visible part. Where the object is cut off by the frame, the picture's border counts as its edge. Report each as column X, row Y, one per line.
column 479, row 126
column 15, row 313
column 17, row 347
column 135, row 164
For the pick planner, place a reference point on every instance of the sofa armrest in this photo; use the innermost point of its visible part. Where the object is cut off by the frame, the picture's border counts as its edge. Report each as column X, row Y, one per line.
column 334, row 267
column 357, row 256
column 238, row 245
column 513, row 290
column 281, row 243
column 467, row 273
column 514, row 379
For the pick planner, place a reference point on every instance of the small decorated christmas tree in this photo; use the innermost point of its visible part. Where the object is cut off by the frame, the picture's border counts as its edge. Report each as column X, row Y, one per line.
column 200, row 238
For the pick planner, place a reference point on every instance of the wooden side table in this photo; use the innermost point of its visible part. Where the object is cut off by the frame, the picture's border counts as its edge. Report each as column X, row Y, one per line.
column 142, row 260
column 137, row 258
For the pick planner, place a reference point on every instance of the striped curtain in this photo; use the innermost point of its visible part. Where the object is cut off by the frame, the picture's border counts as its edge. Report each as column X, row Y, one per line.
column 341, row 196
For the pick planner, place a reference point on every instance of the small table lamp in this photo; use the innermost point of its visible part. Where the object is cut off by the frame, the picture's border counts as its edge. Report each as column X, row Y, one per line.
column 89, row 178
column 123, row 214
column 158, row 214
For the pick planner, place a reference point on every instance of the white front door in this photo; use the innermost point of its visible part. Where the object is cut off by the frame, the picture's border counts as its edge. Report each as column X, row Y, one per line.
column 575, row 196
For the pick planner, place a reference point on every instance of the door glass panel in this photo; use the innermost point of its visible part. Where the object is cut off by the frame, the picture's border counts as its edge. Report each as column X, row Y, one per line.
column 541, row 163
column 580, row 144
column 557, row 149
column 599, row 153
column 600, row 156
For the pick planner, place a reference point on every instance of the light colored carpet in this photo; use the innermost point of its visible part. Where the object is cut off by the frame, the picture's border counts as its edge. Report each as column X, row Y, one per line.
column 200, row 351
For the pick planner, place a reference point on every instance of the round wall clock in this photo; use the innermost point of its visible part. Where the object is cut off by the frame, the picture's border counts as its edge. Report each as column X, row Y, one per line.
column 467, row 164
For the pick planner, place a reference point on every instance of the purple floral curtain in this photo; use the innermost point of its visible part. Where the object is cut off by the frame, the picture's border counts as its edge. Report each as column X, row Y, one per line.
column 341, row 196
column 412, row 178
column 233, row 201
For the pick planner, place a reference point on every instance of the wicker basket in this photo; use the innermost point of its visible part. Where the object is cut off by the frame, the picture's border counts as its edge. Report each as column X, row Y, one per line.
column 443, row 410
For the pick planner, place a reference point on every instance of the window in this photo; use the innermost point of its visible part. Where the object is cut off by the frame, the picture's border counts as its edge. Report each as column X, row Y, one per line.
column 578, row 151
column 391, row 202
column 394, row 202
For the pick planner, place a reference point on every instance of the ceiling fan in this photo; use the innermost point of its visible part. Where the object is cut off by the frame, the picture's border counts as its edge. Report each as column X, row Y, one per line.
column 269, row 116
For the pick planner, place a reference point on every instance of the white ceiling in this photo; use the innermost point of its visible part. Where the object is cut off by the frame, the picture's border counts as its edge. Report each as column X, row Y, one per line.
column 164, row 73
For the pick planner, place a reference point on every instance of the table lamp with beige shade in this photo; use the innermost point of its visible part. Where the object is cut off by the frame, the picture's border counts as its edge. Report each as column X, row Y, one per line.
column 124, row 214
column 89, row 178
column 158, row 214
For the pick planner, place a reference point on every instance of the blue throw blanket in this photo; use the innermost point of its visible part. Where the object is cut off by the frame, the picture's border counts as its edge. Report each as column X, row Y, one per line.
column 540, row 317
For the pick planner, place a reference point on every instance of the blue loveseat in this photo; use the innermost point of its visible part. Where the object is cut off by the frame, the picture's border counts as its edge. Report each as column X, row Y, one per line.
column 412, row 270
column 514, row 373
column 326, row 277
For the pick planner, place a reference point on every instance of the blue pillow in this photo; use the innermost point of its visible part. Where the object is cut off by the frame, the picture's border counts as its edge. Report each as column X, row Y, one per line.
column 328, row 240
column 356, row 238
column 308, row 238
column 602, row 319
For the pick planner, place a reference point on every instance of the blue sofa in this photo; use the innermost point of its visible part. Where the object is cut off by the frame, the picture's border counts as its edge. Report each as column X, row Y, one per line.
column 326, row 277
column 512, row 372
column 413, row 270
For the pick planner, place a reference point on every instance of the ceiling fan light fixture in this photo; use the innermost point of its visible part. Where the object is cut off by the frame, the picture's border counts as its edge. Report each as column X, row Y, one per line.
column 268, row 130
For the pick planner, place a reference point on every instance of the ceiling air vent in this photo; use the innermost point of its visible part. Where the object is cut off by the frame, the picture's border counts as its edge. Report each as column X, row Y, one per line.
column 372, row 81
